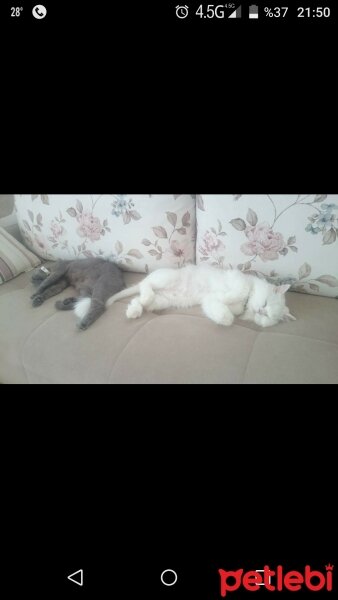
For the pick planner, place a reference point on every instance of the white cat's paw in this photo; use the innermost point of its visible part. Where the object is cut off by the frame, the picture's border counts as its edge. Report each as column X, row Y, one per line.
column 218, row 312
column 227, row 320
column 134, row 310
column 237, row 309
column 263, row 321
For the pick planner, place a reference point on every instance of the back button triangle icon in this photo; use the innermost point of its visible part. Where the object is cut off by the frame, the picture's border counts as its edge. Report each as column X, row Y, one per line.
column 76, row 577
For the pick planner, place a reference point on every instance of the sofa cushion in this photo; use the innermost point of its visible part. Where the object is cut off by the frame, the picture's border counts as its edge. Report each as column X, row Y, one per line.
column 175, row 346
column 14, row 257
column 283, row 238
column 7, row 212
column 140, row 232
column 6, row 205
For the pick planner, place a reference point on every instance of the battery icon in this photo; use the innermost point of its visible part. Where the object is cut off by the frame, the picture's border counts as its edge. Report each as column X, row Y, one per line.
column 253, row 11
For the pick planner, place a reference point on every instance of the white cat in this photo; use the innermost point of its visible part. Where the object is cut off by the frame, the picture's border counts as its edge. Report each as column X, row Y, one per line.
column 222, row 295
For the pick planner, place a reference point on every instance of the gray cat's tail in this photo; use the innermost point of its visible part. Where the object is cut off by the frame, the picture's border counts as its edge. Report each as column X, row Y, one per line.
column 123, row 294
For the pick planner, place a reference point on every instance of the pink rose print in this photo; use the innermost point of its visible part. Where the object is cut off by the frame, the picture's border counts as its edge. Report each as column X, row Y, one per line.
column 211, row 243
column 90, row 226
column 178, row 252
column 178, row 248
column 263, row 242
column 57, row 229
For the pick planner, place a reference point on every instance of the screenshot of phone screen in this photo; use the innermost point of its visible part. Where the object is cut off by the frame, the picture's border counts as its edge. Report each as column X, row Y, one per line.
column 128, row 490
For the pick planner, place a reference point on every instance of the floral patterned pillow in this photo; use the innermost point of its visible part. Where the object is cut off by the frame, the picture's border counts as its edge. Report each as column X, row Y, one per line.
column 140, row 232
column 283, row 238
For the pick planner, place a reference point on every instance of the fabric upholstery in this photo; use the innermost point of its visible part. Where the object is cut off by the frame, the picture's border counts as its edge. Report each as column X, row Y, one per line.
column 14, row 257
column 285, row 238
column 175, row 346
column 6, row 205
column 140, row 232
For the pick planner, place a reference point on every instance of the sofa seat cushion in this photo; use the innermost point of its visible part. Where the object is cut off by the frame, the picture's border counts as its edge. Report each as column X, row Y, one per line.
column 42, row 345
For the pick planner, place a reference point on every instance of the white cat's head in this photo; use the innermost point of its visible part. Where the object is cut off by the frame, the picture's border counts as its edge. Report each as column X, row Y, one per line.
column 269, row 301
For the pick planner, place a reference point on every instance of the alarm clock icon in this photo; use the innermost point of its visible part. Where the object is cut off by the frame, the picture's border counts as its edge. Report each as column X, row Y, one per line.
column 182, row 11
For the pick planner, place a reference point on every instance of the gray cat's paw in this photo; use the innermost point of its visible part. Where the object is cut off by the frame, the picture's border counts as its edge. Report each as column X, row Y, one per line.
column 82, row 326
column 37, row 301
column 38, row 276
column 68, row 301
column 66, row 304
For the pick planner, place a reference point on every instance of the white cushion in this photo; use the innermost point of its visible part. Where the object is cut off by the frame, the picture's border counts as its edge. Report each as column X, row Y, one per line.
column 283, row 238
column 140, row 232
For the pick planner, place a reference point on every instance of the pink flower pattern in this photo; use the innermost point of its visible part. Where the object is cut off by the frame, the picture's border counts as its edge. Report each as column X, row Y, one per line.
column 211, row 244
column 263, row 242
column 177, row 248
column 181, row 251
column 90, row 226
column 56, row 229
column 85, row 228
column 173, row 244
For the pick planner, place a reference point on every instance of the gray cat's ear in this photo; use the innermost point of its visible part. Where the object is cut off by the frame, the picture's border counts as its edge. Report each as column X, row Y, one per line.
column 287, row 316
column 281, row 289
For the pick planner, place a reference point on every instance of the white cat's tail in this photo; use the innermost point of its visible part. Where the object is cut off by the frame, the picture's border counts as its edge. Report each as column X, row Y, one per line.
column 123, row 294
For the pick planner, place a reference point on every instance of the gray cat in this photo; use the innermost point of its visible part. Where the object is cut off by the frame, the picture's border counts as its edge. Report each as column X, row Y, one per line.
column 95, row 279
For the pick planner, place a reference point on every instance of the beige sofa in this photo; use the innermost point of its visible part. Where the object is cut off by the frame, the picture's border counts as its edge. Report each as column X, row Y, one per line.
column 42, row 345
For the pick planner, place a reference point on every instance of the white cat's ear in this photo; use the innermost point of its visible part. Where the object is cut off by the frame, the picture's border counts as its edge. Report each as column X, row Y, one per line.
column 287, row 316
column 281, row 289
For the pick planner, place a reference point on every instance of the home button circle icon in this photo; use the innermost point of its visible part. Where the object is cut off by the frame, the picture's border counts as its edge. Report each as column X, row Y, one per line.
column 169, row 577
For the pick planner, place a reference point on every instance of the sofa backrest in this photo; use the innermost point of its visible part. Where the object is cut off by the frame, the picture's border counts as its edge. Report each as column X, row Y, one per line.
column 282, row 238
column 140, row 232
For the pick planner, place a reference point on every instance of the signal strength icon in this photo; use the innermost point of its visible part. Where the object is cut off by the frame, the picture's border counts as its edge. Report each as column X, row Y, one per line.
column 236, row 14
